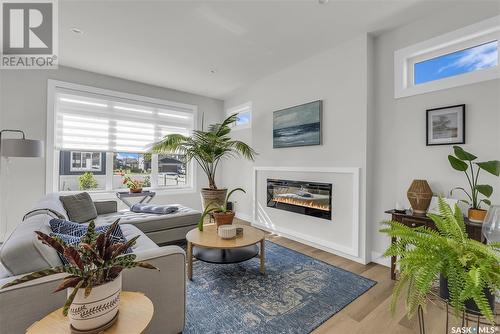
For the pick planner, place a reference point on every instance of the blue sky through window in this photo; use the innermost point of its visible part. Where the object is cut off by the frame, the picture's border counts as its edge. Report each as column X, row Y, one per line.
column 469, row 60
column 243, row 118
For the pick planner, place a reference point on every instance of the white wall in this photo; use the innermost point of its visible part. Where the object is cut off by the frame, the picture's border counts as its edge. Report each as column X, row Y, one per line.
column 24, row 106
column 400, row 153
column 356, row 82
column 339, row 78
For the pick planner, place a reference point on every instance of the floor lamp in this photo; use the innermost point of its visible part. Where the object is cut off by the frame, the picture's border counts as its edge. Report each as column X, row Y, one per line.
column 17, row 148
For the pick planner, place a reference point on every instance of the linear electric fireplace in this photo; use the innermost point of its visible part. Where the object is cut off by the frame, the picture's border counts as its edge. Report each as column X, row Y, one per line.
column 307, row 198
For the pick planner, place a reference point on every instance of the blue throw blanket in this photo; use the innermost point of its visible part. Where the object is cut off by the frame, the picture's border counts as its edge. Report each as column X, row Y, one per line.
column 151, row 208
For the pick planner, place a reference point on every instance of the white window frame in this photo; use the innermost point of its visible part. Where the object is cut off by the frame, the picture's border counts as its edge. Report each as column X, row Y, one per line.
column 246, row 107
column 86, row 169
column 464, row 38
column 53, row 155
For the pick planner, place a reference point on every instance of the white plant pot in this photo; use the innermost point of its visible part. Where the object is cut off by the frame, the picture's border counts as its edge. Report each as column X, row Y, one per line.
column 98, row 309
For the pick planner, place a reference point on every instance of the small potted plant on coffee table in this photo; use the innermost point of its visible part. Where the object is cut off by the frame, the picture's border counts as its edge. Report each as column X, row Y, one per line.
column 221, row 214
column 94, row 280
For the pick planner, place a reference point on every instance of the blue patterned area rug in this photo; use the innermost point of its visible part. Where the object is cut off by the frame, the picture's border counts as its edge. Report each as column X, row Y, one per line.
column 297, row 294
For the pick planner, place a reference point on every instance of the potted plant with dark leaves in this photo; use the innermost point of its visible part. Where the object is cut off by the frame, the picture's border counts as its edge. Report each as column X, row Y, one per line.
column 94, row 278
column 207, row 148
column 464, row 162
column 468, row 271
column 221, row 214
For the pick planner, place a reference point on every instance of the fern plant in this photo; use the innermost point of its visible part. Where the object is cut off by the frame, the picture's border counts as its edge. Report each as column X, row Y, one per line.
column 423, row 254
column 96, row 260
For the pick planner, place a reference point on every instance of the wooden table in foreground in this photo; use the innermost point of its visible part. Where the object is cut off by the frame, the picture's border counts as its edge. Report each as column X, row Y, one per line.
column 135, row 314
column 207, row 246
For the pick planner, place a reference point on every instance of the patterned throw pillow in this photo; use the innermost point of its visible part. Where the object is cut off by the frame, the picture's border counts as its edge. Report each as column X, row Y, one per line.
column 71, row 233
column 62, row 226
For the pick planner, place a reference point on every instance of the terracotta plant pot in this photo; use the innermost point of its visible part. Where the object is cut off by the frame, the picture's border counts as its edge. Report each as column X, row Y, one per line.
column 213, row 196
column 476, row 215
column 420, row 196
column 222, row 218
column 135, row 190
column 99, row 309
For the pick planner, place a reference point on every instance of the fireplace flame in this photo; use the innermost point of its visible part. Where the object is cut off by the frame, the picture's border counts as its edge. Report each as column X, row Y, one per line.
column 302, row 202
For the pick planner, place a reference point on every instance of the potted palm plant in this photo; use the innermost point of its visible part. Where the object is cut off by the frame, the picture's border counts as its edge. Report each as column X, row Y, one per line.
column 207, row 148
column 94, row 278
column 468, row 271
column 221, row 214
column 463, row 162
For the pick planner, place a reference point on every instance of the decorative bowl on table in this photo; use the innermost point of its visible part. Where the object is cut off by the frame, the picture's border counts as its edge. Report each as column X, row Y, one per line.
column 227, row 231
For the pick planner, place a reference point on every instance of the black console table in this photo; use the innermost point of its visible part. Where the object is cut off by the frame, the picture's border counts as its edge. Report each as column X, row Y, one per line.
column 413, row 220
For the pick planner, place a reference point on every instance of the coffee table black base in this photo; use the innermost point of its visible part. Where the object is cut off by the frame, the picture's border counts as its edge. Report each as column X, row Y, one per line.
column 225, row 256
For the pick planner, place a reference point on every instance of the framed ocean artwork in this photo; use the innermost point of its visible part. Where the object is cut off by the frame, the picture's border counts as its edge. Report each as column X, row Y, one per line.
column 298, row 126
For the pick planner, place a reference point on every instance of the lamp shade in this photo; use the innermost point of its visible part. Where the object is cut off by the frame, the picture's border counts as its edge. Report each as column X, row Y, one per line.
column 491, row 224
column 22, row 148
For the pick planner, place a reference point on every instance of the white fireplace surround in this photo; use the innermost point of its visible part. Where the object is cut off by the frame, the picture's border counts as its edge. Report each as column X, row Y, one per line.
column 327, row 245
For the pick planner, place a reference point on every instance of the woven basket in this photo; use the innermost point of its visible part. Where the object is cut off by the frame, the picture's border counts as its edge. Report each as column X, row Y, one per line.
column 213, row 196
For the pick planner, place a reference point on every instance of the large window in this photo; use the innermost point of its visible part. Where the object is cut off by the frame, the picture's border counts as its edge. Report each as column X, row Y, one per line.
column 461, row 57
column 96, row 137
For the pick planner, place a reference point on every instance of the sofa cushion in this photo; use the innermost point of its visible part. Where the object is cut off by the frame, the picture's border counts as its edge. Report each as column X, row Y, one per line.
column 142, row 243
column 22, row 252
column 80, row 207
column 148, row 222
column 51, row 203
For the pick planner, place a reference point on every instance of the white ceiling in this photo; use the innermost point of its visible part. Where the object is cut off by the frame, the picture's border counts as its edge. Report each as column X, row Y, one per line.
column 176, row 44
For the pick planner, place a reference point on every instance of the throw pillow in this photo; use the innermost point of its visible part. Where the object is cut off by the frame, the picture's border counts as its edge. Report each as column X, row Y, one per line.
column 80, row 207
column 61, row 226
column 71, row 233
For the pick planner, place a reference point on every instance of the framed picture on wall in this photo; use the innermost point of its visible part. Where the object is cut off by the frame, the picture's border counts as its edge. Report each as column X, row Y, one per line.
column 446, row 125
column 298, row 126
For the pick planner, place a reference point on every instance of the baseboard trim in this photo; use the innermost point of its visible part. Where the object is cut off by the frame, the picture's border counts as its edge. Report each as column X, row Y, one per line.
column 294, row 237
column 381, row 259
column 243, row 216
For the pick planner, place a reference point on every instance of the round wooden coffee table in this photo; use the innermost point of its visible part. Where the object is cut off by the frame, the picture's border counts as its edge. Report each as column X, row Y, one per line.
column 135, row 314
column 207, row 246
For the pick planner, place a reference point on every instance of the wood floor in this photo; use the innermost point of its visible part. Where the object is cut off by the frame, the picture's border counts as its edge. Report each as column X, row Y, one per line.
column 370, row 312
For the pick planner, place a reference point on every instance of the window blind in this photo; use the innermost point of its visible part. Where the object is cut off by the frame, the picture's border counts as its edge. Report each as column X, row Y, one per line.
column 87, row 121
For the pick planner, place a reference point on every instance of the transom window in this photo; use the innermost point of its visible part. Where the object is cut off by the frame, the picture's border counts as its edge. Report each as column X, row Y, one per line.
column 99, row 136
column 464, row 56
column 476, row 58
column 244, row 119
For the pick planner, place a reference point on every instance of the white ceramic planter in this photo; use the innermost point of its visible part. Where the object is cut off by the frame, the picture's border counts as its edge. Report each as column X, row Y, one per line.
column 98, row 309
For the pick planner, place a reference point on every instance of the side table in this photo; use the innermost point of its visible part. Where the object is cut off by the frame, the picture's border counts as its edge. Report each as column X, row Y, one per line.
column 146, row 197
column 414, row 220
column 135, row 314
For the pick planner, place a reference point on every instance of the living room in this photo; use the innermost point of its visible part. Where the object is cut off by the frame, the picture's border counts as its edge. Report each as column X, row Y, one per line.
column 326, row 118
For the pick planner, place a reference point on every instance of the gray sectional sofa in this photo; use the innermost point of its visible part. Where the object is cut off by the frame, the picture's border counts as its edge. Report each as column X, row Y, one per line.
column 22, row 253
